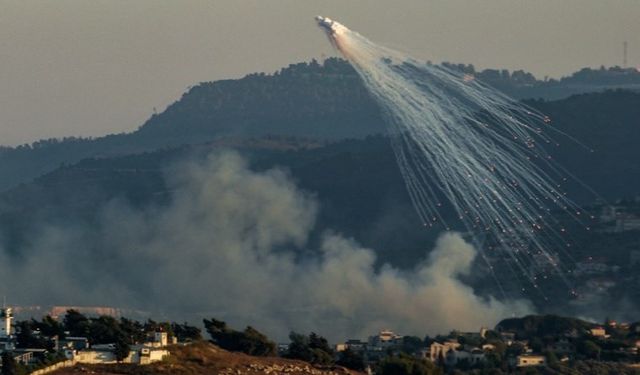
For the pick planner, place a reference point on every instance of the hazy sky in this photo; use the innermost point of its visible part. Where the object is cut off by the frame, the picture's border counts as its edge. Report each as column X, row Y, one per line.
column 91, row 67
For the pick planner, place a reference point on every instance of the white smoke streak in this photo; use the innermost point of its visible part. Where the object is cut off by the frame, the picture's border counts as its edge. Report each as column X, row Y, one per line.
column 462, row 143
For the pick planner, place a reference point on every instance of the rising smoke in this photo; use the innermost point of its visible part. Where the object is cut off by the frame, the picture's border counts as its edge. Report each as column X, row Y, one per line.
column 226, row 246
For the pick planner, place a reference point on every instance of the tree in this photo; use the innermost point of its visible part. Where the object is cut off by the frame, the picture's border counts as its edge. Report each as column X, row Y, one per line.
column 313, row 348
column 404, row 364
column 351, row 360
column 299, row 347
column 50, row 327
column 121, row 349
column 133, row 330
column 76, row 323
column 589, row 349
column 255, row 343
column 9, row 365
column 250, row 341
column 27, row 339
column 185, row 332
column 412, row 344
column 105, row 329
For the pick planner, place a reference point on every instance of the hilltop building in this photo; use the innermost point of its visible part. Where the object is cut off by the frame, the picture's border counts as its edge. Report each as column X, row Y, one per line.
column 529, row 360
column 6, row 322
column 7, row 339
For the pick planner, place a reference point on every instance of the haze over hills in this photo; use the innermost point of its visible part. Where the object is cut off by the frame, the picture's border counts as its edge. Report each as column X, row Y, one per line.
column 80, row 199
column 324, row 101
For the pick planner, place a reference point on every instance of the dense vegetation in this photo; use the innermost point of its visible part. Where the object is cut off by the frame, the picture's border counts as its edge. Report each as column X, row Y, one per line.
column 250, row 341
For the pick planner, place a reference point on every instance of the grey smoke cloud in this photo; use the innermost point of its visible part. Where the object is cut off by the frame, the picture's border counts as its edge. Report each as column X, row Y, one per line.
column 229, row 245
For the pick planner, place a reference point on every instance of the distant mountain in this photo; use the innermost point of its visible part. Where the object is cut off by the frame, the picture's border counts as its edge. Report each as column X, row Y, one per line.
column 357, row 182
column 325, row 101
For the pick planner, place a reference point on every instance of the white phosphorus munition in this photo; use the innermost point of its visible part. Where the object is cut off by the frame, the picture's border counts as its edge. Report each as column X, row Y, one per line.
column 462, row 144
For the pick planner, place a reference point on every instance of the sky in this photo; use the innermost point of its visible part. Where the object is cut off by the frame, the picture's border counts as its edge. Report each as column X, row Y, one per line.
column 89, row 68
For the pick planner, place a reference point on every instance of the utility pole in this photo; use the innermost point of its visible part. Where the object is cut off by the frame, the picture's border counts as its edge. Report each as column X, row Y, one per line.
column 624, row 54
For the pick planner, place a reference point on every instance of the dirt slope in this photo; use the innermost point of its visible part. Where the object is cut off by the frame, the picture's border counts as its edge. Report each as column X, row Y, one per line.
column 205, row 358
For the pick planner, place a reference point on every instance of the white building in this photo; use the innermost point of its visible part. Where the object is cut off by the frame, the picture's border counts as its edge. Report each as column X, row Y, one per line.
column 353, row 345
column 528, row 360
column 6, row 321
column 384, row 339
column 161, row 338
column 438, row 350
column 598, row 332
column 103, row 354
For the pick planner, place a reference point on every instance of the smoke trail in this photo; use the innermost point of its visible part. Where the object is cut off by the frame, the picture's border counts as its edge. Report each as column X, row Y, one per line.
column 460, row 143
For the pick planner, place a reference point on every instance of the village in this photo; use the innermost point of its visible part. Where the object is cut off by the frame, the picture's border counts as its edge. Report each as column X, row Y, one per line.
column 531, row 342
column 69, row 350
column 508, row 349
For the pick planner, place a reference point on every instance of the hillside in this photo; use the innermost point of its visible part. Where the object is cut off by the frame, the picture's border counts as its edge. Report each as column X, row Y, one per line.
column 315, row 100
column 542, row 325
column 204, row 358
column 357, row 183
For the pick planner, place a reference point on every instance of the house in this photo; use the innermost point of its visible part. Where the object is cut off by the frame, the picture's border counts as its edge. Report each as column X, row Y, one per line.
column 472, row 357
column 481, row 334
column 527, row 360
column 488, row 347
column 6, row 321
column 384, row 339
column 353, row 345
column 104, row 354
column 150, row 355
column 598, row 332
column 439, row 351
column 75, row 343
column 7, row 338
column 29, row 356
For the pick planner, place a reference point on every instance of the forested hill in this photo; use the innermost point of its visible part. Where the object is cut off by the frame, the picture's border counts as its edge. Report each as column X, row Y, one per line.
column 305, row 100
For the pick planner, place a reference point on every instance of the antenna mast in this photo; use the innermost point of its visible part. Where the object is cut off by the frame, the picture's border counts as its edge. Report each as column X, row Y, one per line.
column 624, row 54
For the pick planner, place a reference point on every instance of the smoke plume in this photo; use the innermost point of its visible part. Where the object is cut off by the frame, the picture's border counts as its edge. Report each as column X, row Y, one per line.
column 233, row 244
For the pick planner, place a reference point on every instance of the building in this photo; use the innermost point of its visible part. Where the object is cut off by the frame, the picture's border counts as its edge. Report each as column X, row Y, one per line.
column 527, row 360
column 103, row 354
column 6, row 322
column 7, row 339
column 29, row 356
column 438, row 351
column 385, row 339
column 473, row 356
column 75, row 343
column 598, row 332
column 160, row 339
column 353, row 345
